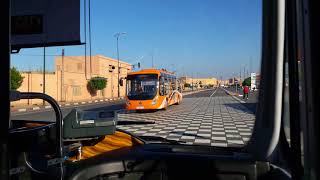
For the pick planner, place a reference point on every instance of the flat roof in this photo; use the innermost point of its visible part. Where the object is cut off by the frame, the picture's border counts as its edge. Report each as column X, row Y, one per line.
column 150, row 71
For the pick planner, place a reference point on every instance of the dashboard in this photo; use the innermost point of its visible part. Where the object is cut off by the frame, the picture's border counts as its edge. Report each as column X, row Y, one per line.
column 162, row 161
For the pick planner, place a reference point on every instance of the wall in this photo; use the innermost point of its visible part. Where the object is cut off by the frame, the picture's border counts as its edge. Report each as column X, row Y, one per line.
column 69, row 82
column 75, row 72
column 33, row 82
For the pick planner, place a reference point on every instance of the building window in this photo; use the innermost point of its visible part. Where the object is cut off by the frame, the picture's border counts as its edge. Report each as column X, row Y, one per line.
column 76, row 91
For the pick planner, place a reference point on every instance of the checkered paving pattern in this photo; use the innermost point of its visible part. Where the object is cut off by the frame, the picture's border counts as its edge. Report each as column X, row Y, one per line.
column 215, row 121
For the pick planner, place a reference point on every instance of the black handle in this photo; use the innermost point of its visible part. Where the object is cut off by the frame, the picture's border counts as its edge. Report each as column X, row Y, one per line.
column 16, row 95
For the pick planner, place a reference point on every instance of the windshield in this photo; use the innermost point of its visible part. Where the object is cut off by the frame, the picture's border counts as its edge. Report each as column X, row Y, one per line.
column 191, row 67
column 142, row 87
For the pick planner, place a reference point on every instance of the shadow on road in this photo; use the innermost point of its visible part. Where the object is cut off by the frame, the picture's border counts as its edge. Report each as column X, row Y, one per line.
column 245, row 107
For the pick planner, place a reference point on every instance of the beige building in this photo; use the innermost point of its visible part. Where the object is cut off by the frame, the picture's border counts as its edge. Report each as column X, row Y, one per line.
column 224, row 82
column 69, row 81
column 199, row 81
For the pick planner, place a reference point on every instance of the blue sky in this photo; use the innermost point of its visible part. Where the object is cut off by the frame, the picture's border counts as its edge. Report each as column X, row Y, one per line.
column 199, row 37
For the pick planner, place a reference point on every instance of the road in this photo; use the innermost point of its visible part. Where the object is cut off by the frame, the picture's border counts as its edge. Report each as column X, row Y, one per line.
column 48, row 114
column 209, row 117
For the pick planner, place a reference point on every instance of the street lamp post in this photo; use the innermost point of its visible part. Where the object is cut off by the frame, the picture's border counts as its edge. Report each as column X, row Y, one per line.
column 117, row 35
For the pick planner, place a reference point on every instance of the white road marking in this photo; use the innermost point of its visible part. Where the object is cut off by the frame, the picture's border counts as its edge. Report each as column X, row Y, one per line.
column 213, row 92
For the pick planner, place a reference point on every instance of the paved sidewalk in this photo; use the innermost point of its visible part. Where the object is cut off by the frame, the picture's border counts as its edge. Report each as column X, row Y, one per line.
column 250, row 103
column 234, row 95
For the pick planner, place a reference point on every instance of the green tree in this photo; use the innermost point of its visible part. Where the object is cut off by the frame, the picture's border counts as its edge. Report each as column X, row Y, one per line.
column 187, row 85
column 247, row 82
column 97, row 83
column 200, row 84
column 16, row 78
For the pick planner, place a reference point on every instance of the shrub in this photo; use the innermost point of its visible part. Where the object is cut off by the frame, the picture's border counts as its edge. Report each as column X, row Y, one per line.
column 247, row 82
column 16, row 79
column 187, row 85
column 97, row 83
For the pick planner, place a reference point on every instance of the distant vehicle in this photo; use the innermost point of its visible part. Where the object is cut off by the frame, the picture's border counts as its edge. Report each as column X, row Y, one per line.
column 152, row 89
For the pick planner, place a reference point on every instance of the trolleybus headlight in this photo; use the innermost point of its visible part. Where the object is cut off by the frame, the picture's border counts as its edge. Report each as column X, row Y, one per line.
column 154, row 101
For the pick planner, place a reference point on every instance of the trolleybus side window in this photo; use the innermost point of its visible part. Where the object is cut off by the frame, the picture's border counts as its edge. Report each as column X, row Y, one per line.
column 174, row 83
column 162, row 88
column 164, row 84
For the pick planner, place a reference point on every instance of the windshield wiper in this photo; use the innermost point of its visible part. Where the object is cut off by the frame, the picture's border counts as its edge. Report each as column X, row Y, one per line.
column 161, row 139
column 134, row 122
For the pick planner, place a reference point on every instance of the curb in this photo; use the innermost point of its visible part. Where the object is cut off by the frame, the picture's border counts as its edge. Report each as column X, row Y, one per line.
column 37, row 108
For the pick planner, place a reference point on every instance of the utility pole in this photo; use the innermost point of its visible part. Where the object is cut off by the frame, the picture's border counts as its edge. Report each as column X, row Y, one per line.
column 62, row 74
column 29, row 72
column 117, row 35
column 118, row 66
column 236, row 84
column 44, row 73
column 250, row 65
column 240, row 75
column 192, row 81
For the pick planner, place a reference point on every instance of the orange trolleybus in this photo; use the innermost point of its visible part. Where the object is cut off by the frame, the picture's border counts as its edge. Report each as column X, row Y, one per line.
column 152, row 89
